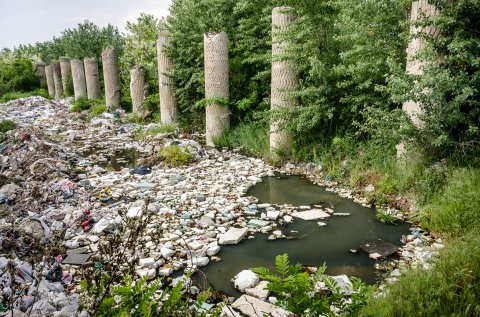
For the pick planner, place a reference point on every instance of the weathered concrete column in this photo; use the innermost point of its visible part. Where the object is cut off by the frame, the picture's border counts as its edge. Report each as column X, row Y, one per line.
column 110, row 76
column 57, row 80
column 168, row 102
column 78, row 77
column 50, row 82
column 138, row 91
column 415, row 66
column 284, row 82
column 91, row 78
column 66, row 73
column 216, row 85
column 40, row 72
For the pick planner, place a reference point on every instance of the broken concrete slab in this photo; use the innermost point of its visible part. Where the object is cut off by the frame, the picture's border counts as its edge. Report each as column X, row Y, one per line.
column 254, row 307
column 312, row 214
column 257, row 223
column 233, row 236
column 260, row 291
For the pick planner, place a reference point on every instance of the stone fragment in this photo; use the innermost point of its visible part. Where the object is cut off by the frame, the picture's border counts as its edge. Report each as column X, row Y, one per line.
column 254, row 307
column 147, row 262
column 200, row 261
column 135, row 212
column 260, row 291
column 257, row 223
column 233, row 236
column 273, row 214
column 245, row 279
column 312, row 214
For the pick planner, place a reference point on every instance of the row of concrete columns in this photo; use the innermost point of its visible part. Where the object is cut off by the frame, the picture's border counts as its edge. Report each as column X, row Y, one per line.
column 85, row 77
column 283, row 83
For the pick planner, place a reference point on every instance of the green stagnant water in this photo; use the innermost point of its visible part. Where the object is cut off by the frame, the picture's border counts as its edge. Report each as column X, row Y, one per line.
column 314, row 244
column 115, row 160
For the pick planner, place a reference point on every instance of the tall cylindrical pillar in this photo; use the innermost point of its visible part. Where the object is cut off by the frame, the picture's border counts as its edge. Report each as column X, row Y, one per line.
column 57, row 80
column 92, row 78
column 168, row 102
column 284, row 82
column 138, row 91
column 111, row 78
column 66, row 73
column 78, row 77
column 216, row 85
column 50, row 82
column 415, row 65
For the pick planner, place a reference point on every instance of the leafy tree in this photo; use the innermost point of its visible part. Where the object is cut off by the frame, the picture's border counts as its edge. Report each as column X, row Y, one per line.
column 449, row 91
column 16, row 74
column 141, row 50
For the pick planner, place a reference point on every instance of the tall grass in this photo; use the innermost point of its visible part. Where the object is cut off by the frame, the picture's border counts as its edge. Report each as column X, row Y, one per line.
column 251, row 138
column 451, row 288
column 456, row 209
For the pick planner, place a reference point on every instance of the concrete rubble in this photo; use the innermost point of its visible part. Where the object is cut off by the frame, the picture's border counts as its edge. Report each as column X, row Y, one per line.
column 68, row 182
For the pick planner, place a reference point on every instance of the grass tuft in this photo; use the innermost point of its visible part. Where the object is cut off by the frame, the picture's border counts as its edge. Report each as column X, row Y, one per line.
column 175, row 155
column 7, row 125
column 250, row 137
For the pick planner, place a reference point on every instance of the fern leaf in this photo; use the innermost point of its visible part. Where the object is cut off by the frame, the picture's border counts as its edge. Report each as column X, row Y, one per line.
column 282, row 264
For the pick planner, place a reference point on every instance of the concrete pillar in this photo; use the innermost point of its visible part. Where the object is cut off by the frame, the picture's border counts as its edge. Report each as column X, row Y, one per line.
column 91, row 78
column 284, row 82
column 111, row 78
column 66, row 73
column 168, row 102
column 216, row 85
column 78, row 77
column 415, row 66
column 40, row 72
column 138, row 90
column 50, row 82
column 57, row 80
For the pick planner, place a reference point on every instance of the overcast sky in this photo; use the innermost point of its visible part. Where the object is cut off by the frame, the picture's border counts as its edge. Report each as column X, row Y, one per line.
column 29, row 21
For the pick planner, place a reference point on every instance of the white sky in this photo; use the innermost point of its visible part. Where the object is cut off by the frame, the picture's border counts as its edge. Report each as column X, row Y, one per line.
column 29, row 21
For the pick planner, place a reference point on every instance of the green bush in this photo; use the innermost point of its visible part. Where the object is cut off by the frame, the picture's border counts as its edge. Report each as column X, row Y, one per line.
column 296, row 290
column 82, row 104
column 98, row 109
column 152, row 103
column 6, row 125
column 17, row 74
column 175, row 155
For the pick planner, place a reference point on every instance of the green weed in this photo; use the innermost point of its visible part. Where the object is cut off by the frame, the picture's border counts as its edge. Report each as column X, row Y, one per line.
column 250, row 137
column 82, row 104
column 7, row 125
column 297, row 292
column 164, row 128
column 97, row 110
column 385, row 217
column 455, row 209
column 175, row 155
